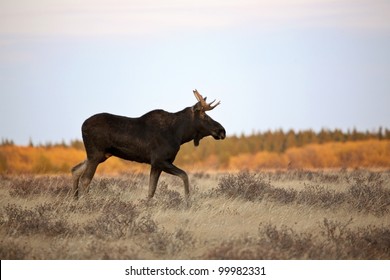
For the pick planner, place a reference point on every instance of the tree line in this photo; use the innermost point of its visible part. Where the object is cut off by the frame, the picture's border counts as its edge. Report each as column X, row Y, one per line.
column 271, row 141
column 277, row 141
column 263, row 150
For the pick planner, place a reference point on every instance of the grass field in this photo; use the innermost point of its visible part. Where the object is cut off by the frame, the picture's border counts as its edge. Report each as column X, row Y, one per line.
column 293, row 214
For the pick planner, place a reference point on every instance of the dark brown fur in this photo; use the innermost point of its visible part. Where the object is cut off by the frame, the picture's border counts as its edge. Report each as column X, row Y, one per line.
column 155, row 138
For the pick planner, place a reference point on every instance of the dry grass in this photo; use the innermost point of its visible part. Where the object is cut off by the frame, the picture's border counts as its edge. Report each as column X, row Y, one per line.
column 280, row 215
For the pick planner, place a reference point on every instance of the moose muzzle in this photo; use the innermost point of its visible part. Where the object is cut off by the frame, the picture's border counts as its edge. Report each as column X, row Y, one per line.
column 219, row 134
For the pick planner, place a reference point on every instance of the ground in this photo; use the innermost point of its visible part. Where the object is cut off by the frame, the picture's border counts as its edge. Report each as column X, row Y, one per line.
column 292, row 214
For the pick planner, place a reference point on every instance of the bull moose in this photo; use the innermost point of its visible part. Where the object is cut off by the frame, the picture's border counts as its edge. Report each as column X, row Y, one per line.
column 154, row 138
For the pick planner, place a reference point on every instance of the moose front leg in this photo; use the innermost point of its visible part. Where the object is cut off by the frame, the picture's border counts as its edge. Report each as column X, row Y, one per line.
column 173, row 170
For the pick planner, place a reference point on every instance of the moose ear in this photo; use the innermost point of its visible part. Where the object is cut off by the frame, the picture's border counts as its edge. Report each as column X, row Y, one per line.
column 197, row 107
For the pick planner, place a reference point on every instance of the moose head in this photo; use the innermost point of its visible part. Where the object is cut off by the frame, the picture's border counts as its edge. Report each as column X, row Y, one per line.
column 204, row 124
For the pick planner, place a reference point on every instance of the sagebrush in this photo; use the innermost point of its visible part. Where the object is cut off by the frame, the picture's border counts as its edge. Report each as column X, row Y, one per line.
column 293, row 214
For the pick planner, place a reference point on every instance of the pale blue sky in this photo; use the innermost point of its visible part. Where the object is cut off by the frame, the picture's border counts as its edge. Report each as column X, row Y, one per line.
column 273, row 64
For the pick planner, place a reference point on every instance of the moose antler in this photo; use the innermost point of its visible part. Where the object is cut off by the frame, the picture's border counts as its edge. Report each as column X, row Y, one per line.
column 205, row 106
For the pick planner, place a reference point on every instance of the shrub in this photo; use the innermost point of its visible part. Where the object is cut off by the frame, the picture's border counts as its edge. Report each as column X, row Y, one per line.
column 165, row 243
column 370, row 242
column 367, row 194
column 25, row 186
column 116, row 220
column 243, row 185
column 13, row 250
column 39, row 220
column 316, row 195
column 169, row 199
column 146, row 225
column 286, row 240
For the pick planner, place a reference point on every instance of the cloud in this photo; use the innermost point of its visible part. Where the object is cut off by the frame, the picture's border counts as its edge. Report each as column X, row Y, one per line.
column 151, row 17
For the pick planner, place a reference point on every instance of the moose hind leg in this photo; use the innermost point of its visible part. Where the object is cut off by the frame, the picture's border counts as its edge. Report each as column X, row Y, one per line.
column 153, row 180
column 77, row 171
column 88, row 174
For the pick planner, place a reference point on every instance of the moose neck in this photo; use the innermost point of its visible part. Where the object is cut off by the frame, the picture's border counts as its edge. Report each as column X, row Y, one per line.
column 185, row 126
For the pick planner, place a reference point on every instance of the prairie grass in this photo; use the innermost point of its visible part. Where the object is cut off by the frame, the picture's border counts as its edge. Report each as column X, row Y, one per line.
column 293, row 214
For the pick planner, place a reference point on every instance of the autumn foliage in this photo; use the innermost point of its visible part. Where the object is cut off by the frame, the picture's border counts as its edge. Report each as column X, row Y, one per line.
column 270, row 150
column 365, row 154
column 58, row 159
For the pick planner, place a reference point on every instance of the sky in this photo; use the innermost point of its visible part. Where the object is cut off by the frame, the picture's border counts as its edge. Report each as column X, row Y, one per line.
column 277, row 64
